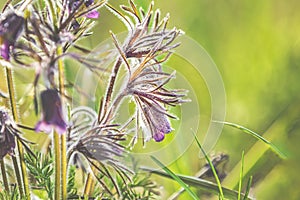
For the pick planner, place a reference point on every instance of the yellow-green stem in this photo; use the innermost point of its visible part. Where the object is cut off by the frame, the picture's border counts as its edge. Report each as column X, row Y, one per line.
column 88, row 184
column 4, row 177
column 63, row 136
column 57, row 164
column 20, row 147
column 93, row 184
column 63, row 166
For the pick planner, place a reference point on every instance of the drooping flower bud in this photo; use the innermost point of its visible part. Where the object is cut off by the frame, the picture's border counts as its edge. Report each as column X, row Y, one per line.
column 152, row 98
column 10, row 29
column 7, row 139
column 52, row 114
column 156, row 122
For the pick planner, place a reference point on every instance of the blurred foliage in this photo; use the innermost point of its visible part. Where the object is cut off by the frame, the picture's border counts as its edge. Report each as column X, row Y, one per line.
column 41, row 170
column 256, row 46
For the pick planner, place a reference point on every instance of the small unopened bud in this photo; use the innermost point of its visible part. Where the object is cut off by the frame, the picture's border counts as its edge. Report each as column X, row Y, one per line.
column 10, row 29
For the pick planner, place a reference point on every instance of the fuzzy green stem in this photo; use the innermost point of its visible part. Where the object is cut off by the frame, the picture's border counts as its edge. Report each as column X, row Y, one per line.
column 18, row 176
column 57, row 164
column 110, row 88
column 63, row 136
column 88, row 184
column 93, row 184
column 105, row 113
column 19, row 144
column 221, row 195
column 4, row 177
column 64, row 166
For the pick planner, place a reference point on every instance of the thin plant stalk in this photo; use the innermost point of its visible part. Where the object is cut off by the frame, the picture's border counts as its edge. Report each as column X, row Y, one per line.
column 249, row 183
column 257, row 136
column 57, row 165
column 88, row 185
column 110, row 88
column 103, row 111
column 63, row 136
column 4, row 177
column 199, row 183
column 212, row 168
column 241, row 176
column 93, row 184
column 63, row 166
column 18, row 175
column 19, row 144
column 176, row 178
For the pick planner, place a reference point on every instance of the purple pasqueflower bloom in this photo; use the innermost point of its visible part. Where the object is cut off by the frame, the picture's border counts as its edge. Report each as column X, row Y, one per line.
column 74, row 5
column 151, row 97
column 52, row 114
column 10, row 29
column 156, row 122
column 7, row 139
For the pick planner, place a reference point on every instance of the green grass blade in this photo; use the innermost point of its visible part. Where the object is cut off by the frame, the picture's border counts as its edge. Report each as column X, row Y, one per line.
column 176, row 178
column 257, row 136
column 248, row 188
column 212, row 168
column 241, row 176
column 198, row 183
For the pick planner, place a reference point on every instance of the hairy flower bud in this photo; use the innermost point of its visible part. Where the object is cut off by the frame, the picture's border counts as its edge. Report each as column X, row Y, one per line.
column 52, row 115
column 7, row 139
column 10, row 29
column 155, row 122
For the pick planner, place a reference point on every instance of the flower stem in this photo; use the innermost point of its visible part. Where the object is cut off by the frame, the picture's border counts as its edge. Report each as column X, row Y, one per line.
column 19, row 144
column 63, row 136
column 104, row 112
column 18, row 176
column 88, row 185
column 57, row 164
column 92, row 188
column 4, row 177
column 110, row 88
column 64, row 166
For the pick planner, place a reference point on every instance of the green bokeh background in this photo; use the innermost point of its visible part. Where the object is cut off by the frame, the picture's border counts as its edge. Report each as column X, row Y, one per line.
column 256, row 46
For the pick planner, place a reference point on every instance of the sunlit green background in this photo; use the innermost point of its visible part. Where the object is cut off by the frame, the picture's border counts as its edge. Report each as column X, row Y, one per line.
column 256, row 46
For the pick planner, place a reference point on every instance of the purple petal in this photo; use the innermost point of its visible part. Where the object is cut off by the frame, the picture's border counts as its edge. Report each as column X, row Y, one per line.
column 168, row 128
column 43, row 126
column 93, row 14
column 158, row 137
column 60, row 126
column 60, row 130
column 52, row 116
column 4, row 50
